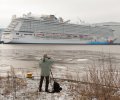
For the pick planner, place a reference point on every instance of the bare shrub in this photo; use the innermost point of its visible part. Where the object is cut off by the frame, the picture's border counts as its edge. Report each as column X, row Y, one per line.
column 12, row 83
column 101, row 82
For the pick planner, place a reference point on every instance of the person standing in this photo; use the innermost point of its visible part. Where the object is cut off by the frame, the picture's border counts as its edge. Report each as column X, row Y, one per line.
column 45, row 64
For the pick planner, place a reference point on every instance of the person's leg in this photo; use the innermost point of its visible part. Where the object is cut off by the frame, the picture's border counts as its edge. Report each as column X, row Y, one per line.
column 47, row 84
column 41, row 82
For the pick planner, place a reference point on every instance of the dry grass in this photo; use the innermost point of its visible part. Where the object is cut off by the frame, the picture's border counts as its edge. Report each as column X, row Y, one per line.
column 102, row 81
column 11, row 83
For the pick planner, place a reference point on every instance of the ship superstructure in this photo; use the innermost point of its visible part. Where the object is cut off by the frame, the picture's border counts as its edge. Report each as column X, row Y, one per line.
column 49, row 29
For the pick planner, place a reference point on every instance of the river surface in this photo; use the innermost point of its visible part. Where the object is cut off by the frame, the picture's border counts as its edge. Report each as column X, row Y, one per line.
column 67, row 57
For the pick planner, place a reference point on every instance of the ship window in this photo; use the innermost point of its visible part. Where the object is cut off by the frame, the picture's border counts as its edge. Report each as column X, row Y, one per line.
column 6, row 33
column 27, row 34
column 17, row 33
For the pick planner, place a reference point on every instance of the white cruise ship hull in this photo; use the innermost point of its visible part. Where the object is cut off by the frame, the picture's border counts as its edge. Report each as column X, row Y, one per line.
column 13, row 38
column 55, row 41
column 47, row 41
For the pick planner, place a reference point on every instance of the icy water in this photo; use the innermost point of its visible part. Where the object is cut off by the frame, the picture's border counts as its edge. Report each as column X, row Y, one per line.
column 67, row 57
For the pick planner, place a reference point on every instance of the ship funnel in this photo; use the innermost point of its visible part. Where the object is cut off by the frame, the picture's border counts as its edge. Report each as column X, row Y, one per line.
column 13, row 17
column 29, row 14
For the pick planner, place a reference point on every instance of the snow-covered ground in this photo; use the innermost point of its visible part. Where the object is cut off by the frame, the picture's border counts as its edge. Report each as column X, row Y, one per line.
column 27, row 88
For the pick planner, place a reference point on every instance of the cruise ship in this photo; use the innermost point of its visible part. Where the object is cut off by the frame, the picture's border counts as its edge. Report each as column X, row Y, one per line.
column 48, row 29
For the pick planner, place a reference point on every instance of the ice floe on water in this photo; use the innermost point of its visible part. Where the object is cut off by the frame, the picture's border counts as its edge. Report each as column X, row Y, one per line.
column 61, row 67
column 82, row 59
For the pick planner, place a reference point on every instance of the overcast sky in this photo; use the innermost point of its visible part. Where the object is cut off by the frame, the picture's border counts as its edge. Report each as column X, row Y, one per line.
column 90, row 11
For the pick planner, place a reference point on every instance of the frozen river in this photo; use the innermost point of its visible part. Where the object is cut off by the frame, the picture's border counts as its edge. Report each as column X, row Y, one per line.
column 67, row 57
